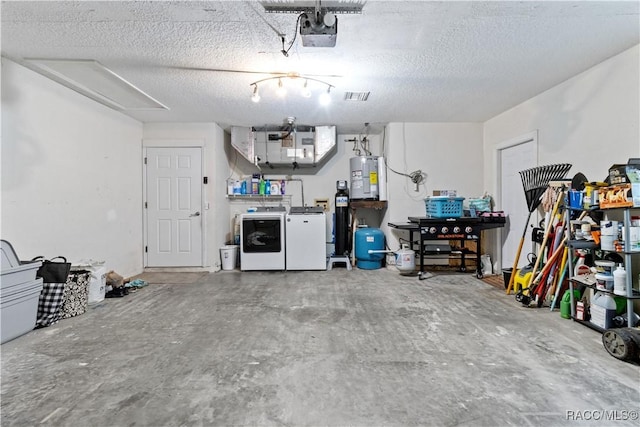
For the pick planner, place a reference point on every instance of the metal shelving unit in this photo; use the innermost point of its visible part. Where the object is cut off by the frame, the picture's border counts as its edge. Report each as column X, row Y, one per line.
column 632, row 294
column 256, row 196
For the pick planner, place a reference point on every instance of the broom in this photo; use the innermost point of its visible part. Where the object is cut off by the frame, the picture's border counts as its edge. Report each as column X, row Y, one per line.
column 535, row 182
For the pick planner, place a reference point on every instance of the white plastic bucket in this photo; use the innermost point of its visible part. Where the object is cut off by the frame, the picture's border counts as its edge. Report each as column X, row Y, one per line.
column 608, row 228
column 634, row 238
column 604, row 266
column 228, row 256
column 606, row 242
column 604, row 282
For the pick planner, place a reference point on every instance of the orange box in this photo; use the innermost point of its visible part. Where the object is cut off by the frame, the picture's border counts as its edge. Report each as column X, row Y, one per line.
column 616, row 196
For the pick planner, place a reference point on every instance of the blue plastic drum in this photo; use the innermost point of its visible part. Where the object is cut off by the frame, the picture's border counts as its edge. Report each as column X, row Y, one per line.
column 369, row 239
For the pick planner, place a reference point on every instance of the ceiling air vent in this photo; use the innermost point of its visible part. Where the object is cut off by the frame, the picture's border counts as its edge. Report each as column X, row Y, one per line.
column 356, row 96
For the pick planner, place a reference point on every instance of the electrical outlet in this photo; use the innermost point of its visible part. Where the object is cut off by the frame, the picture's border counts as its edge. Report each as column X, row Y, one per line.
column 323, row 203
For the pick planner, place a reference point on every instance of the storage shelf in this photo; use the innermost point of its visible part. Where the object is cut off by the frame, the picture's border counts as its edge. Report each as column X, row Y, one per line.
column 255, row 196
column 635, row 295
column 588, row 324
column 367, row 204
column 589, row 281
column 582, row 244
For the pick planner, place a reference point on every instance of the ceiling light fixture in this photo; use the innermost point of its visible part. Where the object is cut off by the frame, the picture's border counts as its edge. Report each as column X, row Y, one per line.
column 306, row 92
column 281, row 88
column 281, row 91
column 325, row 97
column 256, row 96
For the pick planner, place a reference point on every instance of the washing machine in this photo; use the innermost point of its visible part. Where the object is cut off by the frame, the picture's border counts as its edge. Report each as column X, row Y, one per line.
column 262, row 239
column 306, row 236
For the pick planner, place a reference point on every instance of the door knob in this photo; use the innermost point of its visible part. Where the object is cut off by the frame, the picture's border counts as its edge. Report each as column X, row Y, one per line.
column 195, row 214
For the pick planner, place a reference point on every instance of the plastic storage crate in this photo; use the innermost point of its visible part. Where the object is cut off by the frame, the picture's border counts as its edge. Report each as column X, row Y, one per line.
column 19, row 293
column 19, row 310
column 444, row 206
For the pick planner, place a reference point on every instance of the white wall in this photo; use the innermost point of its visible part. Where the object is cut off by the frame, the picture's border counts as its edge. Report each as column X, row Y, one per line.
column 450, row 154
column 319, row 182
column 216, row 169
column 590, row 121
column 71, row 174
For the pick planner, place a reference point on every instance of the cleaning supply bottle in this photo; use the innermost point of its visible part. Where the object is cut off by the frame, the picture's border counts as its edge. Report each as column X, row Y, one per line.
column 603, row 310
column 236, row 229
column 261, row 185
column 580, row 267
column 620, row 281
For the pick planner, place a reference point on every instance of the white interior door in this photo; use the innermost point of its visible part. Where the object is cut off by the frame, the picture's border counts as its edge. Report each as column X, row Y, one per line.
column 174, row 207
column 519, row 155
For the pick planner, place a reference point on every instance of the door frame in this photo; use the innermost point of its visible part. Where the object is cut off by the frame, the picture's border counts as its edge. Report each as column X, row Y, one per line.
column 177, row 144
column 497, row 155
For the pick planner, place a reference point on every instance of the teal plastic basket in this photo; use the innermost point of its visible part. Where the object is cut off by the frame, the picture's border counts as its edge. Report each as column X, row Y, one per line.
column 444, row 206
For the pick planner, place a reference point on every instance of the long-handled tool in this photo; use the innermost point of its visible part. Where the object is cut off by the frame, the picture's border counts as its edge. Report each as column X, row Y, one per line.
column 549, row 218
column 535, row 182
column 559, row 285
column 543, row 287
column 564, row 269
column 557, row 279
column 530, row 291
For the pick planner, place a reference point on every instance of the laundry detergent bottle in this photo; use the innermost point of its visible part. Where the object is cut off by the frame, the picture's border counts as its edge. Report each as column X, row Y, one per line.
column 620, row 281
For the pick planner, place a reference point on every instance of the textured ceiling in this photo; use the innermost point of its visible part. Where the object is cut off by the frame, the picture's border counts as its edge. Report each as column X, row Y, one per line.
column 421, row 61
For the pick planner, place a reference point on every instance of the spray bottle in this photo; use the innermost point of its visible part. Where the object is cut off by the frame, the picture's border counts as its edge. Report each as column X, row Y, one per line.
column 581, row 267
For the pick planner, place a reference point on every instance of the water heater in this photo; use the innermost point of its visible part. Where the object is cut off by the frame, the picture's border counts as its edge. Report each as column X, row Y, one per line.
column 364, row 178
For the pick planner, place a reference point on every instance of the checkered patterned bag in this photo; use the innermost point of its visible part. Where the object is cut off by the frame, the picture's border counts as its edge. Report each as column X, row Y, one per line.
column 54, row 277
column 49, row 304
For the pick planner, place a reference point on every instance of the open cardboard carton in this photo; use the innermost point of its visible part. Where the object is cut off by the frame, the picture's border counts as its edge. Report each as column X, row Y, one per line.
column 624, row 190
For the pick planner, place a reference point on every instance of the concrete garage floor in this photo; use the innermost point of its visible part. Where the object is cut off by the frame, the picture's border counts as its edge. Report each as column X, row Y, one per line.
column 335, row 348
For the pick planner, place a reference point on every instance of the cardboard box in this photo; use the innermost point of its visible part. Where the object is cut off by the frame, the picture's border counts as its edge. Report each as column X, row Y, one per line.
column 628, row 174
column 445, row 193
column 616, row 196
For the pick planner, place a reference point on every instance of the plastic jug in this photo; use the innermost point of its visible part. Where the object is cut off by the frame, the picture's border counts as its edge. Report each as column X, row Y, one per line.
column 603, row 310
column 565, row 304
column 620, row 281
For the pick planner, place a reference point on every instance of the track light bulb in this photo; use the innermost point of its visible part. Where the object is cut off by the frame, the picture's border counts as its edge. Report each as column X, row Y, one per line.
column 306, row 92
column 329, row 19
column 256, row 96
column 281, row 91
column 325, row 97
